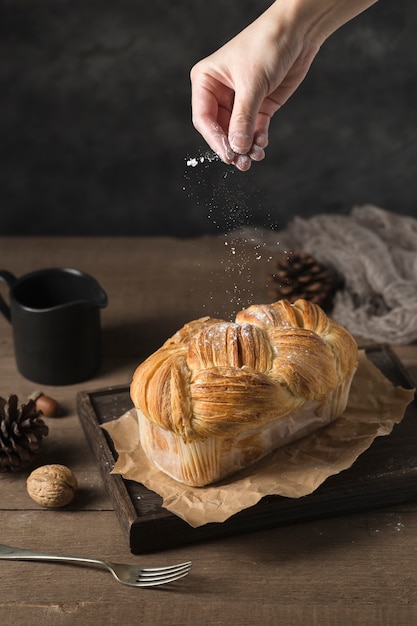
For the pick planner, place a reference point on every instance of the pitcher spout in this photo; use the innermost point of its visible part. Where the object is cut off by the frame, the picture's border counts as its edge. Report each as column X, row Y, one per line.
column 101, row 299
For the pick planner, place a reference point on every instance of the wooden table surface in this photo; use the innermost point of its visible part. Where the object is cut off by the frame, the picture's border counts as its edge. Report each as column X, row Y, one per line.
column 352, row 569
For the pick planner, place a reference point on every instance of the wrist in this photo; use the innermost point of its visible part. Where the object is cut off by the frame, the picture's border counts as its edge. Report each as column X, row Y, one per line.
column 317, row 19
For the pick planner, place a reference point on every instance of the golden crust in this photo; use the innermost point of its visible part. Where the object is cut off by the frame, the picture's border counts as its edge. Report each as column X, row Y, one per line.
column 216, row 378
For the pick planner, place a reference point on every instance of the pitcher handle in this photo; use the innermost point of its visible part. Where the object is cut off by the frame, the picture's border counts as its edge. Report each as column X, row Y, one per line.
column 10, row 279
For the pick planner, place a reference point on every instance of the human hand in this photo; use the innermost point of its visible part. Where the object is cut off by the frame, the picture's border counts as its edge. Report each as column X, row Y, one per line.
column 237, row 90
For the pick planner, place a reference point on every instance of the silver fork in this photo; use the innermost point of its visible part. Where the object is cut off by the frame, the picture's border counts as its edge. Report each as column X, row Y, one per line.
column 132, row 575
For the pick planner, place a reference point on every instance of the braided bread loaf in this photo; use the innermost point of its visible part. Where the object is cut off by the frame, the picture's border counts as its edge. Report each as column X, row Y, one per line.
column 218, row 396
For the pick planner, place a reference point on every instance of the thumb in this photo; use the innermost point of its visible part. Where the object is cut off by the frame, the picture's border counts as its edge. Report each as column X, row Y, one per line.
column 242, row 123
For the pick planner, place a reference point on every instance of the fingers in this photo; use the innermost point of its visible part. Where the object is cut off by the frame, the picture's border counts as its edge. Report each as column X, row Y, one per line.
column 256, row 153
column 219, row 142
column 260, row 137
column 210, row 117
column 248, row 128
column 215, row 137
column 236, row 138
column 242, row 125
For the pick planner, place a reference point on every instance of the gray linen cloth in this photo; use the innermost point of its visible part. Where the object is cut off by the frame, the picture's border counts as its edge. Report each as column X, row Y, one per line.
column 375, row 251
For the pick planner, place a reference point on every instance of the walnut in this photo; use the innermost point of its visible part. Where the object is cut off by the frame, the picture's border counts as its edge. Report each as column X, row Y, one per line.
column 53, row 486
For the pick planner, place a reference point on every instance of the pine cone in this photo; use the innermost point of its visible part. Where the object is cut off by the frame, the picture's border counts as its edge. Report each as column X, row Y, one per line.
column 21, row 432
column 299, row 275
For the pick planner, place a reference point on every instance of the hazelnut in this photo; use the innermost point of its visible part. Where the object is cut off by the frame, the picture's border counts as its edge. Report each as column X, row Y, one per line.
column 46, row 404
column 53, row 486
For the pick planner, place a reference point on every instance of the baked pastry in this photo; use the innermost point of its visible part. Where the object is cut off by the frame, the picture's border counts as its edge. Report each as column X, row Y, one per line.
column 218, row 395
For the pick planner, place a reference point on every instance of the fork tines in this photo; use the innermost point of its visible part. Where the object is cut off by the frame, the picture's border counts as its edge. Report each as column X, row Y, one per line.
column 150, row 576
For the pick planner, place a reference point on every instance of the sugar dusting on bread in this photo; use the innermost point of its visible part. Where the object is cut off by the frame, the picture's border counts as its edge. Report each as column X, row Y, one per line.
column 277, row 372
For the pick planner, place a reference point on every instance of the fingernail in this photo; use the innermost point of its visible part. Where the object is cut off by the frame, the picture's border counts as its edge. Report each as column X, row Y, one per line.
column 241, row 143
column 242, row 162
column 257, row 153
column 262, row 140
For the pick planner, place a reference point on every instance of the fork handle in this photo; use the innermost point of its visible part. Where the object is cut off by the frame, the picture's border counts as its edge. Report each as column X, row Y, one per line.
column 19, row 554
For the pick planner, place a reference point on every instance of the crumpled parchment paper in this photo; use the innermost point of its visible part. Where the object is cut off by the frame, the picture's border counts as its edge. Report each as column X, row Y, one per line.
column 295, row 470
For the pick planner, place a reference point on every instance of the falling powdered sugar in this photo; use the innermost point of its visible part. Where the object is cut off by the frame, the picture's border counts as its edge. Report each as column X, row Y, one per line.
column 231, row 202
column 207, row 156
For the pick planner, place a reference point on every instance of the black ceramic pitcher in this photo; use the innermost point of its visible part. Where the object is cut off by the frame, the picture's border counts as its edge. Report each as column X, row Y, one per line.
column 55, row 317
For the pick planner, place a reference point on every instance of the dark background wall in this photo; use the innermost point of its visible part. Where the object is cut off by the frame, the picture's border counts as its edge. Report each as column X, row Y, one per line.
column 95, row 127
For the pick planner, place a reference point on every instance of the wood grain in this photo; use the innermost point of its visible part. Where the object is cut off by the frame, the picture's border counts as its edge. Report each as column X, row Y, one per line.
column 356, row 568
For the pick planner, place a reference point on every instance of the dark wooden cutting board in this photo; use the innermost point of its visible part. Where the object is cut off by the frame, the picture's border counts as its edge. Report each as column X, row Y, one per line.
column 385, row 474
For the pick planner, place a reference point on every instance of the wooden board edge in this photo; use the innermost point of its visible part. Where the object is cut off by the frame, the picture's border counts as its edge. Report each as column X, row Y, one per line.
column 115, row 484
column 145, row 535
